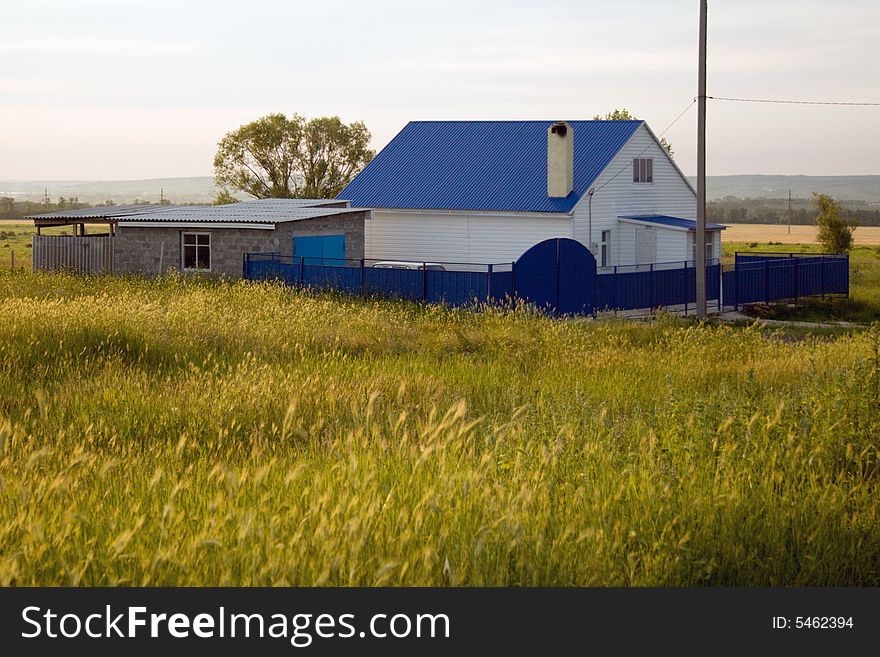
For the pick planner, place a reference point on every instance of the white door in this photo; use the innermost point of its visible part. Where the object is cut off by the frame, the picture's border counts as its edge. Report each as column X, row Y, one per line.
column 646, row 245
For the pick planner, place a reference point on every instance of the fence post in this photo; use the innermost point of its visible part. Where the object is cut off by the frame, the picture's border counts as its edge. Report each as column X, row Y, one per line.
column 425, row 281
column 489, row 285
column 766, row 280
column 653, row 292
column 244, row 260
column 822, row 276
column 796, row 279
column 301, row 258
column 735, row 287
column 363, row 281
column 687, row 287
column 513, row 280
column 614, row 300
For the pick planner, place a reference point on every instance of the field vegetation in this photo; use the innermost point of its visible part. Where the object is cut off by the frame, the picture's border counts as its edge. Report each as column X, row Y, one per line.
column 181, row 432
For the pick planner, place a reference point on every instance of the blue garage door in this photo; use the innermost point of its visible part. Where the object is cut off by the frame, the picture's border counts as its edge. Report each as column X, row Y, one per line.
column 320, row 250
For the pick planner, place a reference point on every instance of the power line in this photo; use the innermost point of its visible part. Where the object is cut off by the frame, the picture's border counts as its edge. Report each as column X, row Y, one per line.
column 659, row 136
column 792, row 102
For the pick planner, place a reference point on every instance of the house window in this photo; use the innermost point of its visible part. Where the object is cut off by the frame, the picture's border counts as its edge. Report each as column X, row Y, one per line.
column 605, row 249
column 710, row 251
column 196, row 251
column 643, row 170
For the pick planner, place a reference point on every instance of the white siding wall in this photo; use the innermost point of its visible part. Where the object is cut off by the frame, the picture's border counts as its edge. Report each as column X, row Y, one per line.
column 669, row 194
column 467, row 238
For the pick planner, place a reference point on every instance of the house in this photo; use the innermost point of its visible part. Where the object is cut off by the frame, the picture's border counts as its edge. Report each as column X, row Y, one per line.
column 208, row 239
column 486, row 191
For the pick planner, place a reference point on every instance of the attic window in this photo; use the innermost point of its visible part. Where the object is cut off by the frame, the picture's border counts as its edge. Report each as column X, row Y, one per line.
column 643, row 170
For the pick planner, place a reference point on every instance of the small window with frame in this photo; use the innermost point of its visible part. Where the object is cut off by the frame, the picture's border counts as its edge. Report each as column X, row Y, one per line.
column 196, row 251
column 643, row 170
column 605, row 249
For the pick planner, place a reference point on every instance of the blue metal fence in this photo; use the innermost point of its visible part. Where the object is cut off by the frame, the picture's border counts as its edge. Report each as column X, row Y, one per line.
column 754, row 277
column 456, row 284
column 670, row 285
column 768, row 277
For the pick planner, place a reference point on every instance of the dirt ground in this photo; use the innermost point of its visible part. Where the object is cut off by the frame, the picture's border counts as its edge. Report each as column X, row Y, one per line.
column 867, row 235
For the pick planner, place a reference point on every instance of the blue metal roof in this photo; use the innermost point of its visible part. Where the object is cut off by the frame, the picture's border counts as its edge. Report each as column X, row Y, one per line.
column 674, row 222
column 482, row 165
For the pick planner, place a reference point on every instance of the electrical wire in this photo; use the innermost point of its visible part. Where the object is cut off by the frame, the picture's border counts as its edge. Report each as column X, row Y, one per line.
column 659, row 136
column 792, row 102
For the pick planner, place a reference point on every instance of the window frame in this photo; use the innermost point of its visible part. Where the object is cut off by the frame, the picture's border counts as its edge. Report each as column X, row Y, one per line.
column 643, row 170
column 196, row 246
column 710, row 247
column 605, row 248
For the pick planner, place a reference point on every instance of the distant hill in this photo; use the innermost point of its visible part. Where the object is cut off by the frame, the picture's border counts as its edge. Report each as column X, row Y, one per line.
column 200, row 189
column 843, row 188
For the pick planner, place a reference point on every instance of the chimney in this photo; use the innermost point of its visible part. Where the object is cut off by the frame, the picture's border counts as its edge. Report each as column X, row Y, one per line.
column 560, row 160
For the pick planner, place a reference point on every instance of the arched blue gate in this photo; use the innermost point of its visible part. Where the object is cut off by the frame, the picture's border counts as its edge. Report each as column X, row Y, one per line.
column 558, row 275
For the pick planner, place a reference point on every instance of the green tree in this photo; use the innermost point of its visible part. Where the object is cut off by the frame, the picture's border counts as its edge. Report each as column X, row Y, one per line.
column 224, row 197
column 280, row 157
column 625, row 115
column 835, row 234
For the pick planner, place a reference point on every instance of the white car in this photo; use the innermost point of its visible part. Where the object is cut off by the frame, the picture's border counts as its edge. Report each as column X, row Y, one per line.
column 402, row 264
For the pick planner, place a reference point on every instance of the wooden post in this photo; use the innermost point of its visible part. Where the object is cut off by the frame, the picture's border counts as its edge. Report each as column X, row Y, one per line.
column 700, row 237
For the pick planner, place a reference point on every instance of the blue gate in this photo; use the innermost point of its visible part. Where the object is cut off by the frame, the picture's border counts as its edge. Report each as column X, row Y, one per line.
column 558, row 275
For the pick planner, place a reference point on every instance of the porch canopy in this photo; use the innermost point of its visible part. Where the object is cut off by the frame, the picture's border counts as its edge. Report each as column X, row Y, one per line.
column 665, row 221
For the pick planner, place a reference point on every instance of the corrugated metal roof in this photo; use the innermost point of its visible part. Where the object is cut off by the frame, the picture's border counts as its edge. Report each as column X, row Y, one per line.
column 674, row 222
column 103, row 212
column 271, row 211
column 482, row 165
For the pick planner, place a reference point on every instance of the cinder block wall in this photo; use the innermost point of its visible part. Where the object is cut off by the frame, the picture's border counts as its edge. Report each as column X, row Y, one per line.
column 141, row 249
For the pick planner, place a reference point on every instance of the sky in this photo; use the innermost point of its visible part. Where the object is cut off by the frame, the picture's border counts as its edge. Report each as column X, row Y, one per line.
column 125, row 89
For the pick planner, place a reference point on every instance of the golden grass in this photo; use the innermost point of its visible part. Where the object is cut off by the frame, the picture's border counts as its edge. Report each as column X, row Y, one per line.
column 194, row 433
column 864, row 235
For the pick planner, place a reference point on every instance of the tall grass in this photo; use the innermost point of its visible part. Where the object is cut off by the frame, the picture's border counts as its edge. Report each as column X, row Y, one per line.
column 184, row 432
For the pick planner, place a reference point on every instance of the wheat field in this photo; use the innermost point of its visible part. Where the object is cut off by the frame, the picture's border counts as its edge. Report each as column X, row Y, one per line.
column 181, row 432
column 751, row 233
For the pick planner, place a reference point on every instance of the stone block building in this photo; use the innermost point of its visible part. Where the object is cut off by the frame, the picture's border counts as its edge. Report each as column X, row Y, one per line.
column 212, row 240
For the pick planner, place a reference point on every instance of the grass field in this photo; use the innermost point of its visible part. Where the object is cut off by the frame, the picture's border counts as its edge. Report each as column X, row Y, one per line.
column 184, row 432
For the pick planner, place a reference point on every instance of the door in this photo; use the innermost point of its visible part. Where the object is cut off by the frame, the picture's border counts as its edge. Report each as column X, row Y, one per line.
column 646, row 245
column 320, row 250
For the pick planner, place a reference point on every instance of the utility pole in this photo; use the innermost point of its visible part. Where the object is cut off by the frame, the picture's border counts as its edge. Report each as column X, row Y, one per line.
column 789, row 212
column 700, row 237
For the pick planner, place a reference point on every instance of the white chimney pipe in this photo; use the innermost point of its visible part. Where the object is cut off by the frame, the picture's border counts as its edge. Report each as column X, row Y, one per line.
column 560, row 160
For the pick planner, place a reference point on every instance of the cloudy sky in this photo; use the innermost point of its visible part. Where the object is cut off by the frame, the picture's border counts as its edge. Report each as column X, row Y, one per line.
column 129, row 89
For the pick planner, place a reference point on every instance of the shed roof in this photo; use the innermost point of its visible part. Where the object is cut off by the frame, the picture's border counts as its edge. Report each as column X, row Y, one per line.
column 670, row 222
column 262, row 211
column 482, row 165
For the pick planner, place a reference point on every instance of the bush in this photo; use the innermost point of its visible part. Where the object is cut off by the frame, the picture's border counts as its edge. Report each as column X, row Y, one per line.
column 835, row 234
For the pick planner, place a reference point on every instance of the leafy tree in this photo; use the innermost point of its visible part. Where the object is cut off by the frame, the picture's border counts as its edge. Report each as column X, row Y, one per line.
column 280, row 157
column 835, row 234
column 625, row 115
column 225, row 198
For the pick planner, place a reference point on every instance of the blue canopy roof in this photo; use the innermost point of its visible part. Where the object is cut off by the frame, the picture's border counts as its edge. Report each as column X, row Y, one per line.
column 482, row 165
column 673, row 222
